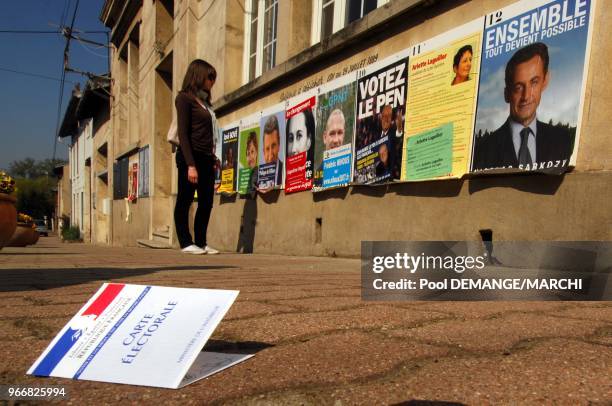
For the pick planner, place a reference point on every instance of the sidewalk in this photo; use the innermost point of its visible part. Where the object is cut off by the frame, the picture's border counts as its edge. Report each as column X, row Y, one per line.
column 316, row 341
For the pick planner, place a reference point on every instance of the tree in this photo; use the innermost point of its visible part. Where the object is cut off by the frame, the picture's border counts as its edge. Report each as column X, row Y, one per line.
column 35, row 197
column 26, row 168
column 29, row 168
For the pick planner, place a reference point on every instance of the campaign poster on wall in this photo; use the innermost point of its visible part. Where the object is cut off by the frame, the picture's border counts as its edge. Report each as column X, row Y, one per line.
column 271, row 169
column 441, row 104
column 248, row 148
column 534, row 63
column 300, row 134
column 335, row 131
column 381, row 100
column 140, row 335
column 229, row 153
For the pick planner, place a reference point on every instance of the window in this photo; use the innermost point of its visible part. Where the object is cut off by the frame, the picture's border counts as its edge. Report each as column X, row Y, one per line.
column 260, row 39
column 120, row 178
column 356, row 9
column 143, row 172
column 330, row 16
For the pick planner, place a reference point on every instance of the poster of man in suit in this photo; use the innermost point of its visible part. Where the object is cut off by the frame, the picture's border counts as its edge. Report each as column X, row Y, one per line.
column 531, row 92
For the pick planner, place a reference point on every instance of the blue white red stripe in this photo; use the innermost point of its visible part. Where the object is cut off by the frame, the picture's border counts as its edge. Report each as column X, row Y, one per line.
column 71, row 336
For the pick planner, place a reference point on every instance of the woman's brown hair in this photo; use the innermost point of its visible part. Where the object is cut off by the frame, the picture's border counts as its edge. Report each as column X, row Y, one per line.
column 197, row 72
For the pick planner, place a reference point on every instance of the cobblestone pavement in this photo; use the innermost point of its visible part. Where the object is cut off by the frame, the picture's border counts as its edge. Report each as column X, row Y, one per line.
column 317, row 342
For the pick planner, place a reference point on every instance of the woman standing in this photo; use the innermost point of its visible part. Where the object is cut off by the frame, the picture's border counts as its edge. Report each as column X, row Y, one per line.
column 195, row 157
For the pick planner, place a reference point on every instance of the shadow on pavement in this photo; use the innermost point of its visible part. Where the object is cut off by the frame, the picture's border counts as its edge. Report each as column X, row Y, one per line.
column 240, row 347
column 15, row 279
column 428, row 403
column 39, row 253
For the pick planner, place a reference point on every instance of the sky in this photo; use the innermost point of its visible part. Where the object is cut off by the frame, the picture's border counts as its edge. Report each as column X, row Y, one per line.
column 29, row 104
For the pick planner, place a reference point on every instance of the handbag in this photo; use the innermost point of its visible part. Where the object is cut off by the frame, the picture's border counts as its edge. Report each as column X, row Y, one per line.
column 172, row 136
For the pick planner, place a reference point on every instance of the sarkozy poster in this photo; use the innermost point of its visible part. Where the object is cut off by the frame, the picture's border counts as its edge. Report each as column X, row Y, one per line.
column 534, row 62
column 300, row 134
column 381, row 101
column 229, row 153
column 334, row 136
column 270, row 172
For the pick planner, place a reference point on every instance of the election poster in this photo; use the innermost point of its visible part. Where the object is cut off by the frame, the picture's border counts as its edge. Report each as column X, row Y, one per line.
column 140, row 335
column 271, row 169
column 335, row 120
column 442, row 86
column 300, row 134
column 429, row 153
column 534, row 62
column 248, row 147
column 229, row 153
column 381, row 102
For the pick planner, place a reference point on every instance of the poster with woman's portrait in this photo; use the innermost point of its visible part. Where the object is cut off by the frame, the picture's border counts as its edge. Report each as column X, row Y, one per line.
column 300, row 134
column 442, row 85
column 248, row 149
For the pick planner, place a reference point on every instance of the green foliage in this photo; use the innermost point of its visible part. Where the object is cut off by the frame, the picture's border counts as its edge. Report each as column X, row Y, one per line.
column 71, row 233
column 36, row 183
column 29, row 168
column 35, row 197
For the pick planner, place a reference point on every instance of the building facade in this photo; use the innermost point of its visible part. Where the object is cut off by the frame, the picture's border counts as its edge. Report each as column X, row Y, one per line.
column 63, row 199
column 86, row 124
column 269, row 51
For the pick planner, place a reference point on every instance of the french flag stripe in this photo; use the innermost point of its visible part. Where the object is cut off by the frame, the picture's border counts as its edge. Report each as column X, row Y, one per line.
column 71, row 336
column 106, row 297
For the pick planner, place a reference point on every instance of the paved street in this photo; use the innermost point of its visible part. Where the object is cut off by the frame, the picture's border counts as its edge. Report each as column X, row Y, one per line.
column 316, row 341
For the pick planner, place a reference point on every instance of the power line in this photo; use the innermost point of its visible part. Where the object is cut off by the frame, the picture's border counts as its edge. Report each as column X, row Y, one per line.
column 50, row 31
column 32, row 74
column 29, row 32
column 64, row 66
column 65, row 11
column 85, row 48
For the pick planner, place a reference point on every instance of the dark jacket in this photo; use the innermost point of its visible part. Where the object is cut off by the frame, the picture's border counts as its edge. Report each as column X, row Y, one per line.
column 496, row 150
column 194, row 126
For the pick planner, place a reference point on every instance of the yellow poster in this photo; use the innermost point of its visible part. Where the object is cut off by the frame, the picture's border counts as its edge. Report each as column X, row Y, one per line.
column 442, row 88
column 227, row 181
column 229, row 155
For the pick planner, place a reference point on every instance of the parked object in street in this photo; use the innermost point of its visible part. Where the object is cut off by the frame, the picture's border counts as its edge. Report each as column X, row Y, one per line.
column 41, row 227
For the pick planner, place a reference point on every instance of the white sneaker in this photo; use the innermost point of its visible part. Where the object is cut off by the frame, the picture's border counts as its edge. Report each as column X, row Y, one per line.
column 210, row 250
column 193, row 249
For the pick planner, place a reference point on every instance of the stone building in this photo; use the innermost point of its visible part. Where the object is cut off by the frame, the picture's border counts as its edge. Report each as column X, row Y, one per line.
column 63, row 196
column 86, row 122
column 268, row 50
